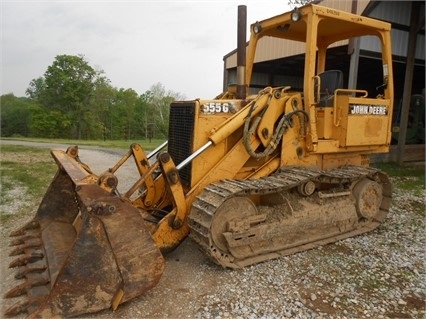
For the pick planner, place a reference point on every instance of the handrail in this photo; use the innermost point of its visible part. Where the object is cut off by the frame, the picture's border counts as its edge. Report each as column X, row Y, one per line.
column 349, row 91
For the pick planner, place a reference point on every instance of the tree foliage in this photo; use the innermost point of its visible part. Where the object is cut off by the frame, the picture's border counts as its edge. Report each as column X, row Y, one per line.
column 300, row 3
column 69, row 84
column 158, row 101
column 36, row 89
column 15, row 115
column 73, row 100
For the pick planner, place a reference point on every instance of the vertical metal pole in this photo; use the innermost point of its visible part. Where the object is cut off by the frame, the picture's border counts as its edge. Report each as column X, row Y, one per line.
column 406, row 96
column 241, row 52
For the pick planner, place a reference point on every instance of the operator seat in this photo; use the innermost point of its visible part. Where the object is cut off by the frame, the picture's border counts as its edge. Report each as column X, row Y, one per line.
column 331, row 80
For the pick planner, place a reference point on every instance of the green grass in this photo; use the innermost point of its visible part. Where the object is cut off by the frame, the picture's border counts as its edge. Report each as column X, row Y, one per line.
column 408, row 180
column 408, row 177
column 401, row 171
column 33, row 176
column 25, row 174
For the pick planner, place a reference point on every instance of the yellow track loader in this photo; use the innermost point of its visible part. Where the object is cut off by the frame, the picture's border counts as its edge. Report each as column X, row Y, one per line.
column 254, row 174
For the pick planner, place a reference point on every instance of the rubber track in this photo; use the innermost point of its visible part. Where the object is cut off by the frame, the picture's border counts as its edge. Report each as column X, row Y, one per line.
column 204, row 207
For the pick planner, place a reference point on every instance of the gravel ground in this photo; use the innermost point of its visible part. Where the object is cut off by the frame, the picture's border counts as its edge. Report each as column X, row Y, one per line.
column 377, row 275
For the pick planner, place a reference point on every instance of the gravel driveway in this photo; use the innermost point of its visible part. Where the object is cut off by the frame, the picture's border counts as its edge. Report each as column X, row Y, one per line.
column 378, row 275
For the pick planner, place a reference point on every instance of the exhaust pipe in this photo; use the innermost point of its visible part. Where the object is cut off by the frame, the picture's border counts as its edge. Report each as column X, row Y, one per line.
column 241, row 52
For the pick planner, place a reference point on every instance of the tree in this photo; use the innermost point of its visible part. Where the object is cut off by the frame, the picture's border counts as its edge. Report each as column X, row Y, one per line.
column 125, row 105
column 36, row 89
column 15, row 115
column 48, row 123
column 67, row 88
column 103, row 100
column 73, row 100
column 158, row 108
column 144, row 102
column 299, row 3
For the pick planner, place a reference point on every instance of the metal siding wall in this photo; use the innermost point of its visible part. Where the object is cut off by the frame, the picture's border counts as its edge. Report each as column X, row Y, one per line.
column 399, row 42
column 399, row 12
column 395, row 11
column 293, row 81
column 337, row 4
column 260, row 78
column 232, row 77
column 420, row 49
column 270, row 48
column 370, row 43
column 231, row 61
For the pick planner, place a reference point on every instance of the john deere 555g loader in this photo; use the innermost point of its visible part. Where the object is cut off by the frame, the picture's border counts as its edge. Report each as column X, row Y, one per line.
column 254, row 174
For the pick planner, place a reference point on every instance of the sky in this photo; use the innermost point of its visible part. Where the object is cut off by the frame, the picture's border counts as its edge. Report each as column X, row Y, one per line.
column 139, row 43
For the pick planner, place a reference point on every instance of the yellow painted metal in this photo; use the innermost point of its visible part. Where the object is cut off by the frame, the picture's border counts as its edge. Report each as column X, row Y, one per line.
column 166, row 237
column 143, row 166
column 117, row 299
column 175, row 188
column 333, row 136
column 269, row 118
column 317, row 29
column 234, row 122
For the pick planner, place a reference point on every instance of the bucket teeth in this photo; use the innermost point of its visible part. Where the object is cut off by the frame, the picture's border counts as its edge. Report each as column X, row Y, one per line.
column 21, row 231
column 17, row 291
column 24, row 238
column 23, row 288
column 30, row 268
column 17, row 308
column 25, row 259
column 22, row 307
column 21, row 249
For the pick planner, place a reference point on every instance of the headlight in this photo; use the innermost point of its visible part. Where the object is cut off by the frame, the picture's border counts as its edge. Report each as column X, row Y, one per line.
column 296, row 15
column 257, row 27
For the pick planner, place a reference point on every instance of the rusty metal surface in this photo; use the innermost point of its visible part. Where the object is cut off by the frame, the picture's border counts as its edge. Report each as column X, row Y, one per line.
column 85, row 249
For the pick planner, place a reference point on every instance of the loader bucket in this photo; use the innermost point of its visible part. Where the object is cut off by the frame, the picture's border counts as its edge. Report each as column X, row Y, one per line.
column 85, row 250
